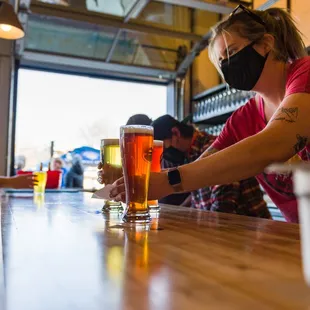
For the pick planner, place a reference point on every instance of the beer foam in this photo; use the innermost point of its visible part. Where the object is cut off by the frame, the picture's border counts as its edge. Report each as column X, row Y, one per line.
column 158, row 143
column 138, row 129
column 109, row 142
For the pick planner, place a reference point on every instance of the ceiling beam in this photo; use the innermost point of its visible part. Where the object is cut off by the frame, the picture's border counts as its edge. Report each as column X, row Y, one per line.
column 212, row 6
column 136, row 9
column 267, row 5
column 84, row 16
column 77, row 64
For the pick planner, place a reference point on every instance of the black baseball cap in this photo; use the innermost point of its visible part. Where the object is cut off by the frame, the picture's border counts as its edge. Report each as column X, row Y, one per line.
column 139, row 119
column 163, row 126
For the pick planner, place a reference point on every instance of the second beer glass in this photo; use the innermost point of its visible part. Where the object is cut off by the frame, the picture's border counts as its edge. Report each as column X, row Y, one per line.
column 156, row 167
column 136, row 144
column 112, row 167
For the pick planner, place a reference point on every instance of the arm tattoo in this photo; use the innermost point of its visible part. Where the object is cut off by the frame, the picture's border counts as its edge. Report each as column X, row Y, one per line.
column 302, row 141
column 211, row 150
column 288, row 115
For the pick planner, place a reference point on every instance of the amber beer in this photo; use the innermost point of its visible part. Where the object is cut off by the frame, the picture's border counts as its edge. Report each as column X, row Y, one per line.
column 112, row 167
column 156, row 167
column 136, row 150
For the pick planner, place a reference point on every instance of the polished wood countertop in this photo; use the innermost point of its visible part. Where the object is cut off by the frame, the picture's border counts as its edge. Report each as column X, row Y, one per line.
column 60, row 253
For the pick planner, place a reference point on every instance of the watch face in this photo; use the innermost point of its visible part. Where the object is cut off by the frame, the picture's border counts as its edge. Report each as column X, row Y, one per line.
column 174, row 177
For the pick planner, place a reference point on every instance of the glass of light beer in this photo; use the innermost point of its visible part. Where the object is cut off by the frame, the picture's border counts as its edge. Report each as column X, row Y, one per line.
column 156, row 167
column 136, row 150
column 112, row 167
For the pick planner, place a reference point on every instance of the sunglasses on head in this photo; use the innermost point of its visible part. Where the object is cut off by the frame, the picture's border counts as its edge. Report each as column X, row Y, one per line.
column 247, row 11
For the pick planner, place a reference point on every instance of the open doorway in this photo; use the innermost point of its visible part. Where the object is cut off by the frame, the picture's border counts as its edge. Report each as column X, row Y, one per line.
column 75, row 112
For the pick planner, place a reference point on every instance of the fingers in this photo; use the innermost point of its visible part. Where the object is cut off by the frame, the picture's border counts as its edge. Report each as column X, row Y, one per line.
column 100, row 166
column 121, row 197
column 100, row 176
column 34, row 180
column 120, row 181
column 118, row 192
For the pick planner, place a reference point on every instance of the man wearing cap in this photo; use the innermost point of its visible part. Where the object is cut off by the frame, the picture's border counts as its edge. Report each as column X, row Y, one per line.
column 184, row 144
column 139, row 119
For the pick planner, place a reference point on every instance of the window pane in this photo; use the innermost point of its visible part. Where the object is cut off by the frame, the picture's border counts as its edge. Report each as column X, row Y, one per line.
column 45, row 34
column 147, row 50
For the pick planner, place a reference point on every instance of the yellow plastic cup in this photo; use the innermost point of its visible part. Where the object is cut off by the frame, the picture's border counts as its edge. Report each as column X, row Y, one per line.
column 41, row 178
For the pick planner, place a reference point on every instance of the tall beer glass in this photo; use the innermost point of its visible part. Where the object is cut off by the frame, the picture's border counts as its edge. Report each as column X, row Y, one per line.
column 156, row 167
column 112, row 167
column 136, row 150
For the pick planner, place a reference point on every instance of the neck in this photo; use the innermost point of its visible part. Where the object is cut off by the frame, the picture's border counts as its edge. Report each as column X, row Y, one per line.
column 272, row 83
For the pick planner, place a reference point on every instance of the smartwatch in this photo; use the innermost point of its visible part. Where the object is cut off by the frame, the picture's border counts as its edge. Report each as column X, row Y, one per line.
column 174, row 179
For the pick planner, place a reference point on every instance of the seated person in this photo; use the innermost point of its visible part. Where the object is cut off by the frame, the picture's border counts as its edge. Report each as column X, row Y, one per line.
column 75, row 175
column 139, row 119
column 57, row 165
column 184, row 144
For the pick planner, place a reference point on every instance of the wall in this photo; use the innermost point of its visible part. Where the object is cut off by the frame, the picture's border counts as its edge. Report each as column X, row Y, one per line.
column 204, row 74
column 5, row 83
column 301, row 12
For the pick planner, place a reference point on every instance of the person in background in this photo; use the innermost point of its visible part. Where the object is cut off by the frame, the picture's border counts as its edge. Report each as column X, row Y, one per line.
column 20, row 163
column 184, row 144
column 174, row 199
column 262, row 51
column 58, row 165
column 18, row 182
column 139, row 119
column 75, row 176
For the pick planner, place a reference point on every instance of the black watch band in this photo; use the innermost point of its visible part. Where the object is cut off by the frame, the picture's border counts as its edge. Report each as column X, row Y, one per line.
column 174, row 178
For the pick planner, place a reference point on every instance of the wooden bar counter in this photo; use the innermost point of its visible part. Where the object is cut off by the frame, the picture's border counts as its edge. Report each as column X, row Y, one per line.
column 60, row 252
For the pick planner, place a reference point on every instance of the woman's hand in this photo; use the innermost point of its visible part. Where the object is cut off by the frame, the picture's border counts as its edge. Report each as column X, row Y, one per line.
column 21, row 181
column 100, row 173
column 118, row 192
column 109, row 174
column 158, row 187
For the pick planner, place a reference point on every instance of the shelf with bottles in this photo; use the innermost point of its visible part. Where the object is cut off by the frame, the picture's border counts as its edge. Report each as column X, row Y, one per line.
column 217, row 104
column 214, row 130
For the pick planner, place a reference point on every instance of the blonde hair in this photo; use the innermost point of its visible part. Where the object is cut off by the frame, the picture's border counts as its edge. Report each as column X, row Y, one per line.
column 289, row 45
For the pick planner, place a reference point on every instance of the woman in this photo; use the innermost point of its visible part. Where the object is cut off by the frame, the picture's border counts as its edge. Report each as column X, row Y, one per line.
column 260, row 51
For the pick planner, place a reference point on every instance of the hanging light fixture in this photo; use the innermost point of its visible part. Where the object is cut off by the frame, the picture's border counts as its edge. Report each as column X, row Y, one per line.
column 10, row 27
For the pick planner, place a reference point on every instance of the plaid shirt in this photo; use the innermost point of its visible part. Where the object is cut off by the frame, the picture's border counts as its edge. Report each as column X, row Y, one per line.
column 244, row 197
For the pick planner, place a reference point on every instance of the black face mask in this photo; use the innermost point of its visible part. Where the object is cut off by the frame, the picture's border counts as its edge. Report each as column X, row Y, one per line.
column 174, row 155
column 242, row 70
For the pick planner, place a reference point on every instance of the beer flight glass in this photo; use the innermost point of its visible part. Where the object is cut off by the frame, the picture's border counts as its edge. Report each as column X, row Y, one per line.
column 112, row 167
column 156, row 167
column 136, row 144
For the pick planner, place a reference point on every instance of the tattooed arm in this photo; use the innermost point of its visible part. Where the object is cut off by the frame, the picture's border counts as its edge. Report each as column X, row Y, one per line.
column 286, row 134
column 209, row 151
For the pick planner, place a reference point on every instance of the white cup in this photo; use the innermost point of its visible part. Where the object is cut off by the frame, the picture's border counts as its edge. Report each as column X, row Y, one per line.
column 302, row 191
column 301, row 181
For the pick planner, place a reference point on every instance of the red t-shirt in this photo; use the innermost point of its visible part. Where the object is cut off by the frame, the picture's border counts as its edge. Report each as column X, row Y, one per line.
column 249, row 120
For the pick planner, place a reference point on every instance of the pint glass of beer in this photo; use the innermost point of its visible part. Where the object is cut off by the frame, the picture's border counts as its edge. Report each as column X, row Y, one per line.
column 112, row 167
column 136, row 149
column 156, row 167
